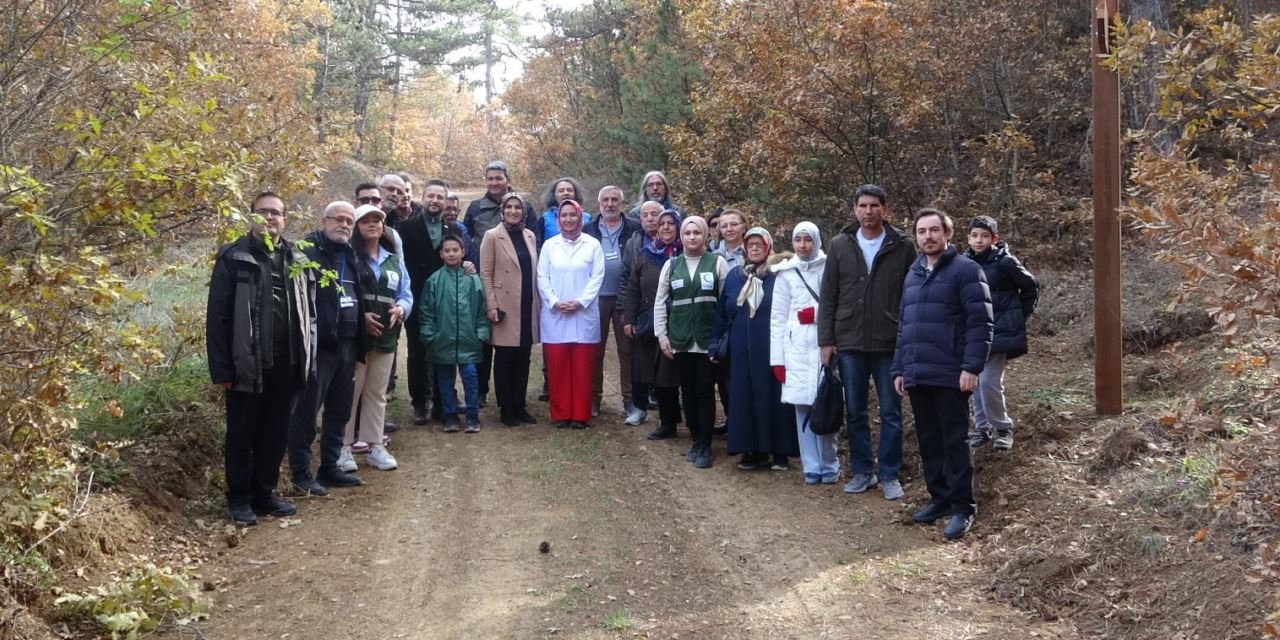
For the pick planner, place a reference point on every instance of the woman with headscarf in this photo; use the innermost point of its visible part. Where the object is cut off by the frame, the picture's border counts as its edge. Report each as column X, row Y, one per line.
column 692, row 282
column 548, row 224
column 508, row 258
column 794, row 352
column 570, row 273
column 649, row 367
column 759, row 428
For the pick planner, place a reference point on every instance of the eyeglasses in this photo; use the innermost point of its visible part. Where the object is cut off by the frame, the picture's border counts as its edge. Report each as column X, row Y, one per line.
column 269, row 213
column 369, row 200
column 344, row 221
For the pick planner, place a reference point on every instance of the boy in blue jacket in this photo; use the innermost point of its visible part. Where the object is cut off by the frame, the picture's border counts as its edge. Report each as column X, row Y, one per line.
column 1014, row 292
column 454, row 331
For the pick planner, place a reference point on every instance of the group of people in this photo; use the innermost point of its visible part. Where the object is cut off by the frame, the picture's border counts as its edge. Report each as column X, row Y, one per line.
column 698, row 307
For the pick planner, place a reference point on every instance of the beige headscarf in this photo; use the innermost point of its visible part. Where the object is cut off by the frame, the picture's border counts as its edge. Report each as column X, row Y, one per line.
column 753, row 290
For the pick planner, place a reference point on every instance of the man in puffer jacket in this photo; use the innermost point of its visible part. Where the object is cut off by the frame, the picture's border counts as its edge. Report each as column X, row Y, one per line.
column 1014, row 292
column 944, row 335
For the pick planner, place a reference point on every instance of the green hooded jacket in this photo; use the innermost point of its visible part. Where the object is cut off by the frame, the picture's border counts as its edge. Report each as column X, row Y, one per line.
column 454, row 324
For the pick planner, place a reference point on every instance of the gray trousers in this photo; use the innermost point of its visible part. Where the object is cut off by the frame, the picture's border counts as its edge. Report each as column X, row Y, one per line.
column 989, row 410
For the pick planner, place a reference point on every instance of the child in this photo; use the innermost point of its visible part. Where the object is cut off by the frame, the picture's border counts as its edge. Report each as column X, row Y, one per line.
column 454, row 330
column 1013, row 299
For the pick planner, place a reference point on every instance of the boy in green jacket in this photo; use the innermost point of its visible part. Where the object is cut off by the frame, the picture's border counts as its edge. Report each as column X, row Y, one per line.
column 454, row 330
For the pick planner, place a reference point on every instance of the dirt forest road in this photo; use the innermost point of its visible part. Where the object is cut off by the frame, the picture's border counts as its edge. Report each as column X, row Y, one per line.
column 641, row 545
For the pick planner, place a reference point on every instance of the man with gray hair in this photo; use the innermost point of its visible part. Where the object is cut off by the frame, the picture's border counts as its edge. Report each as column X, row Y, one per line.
column 341, row 325
column 655, row 187
column 614, row 231
column 397, row 200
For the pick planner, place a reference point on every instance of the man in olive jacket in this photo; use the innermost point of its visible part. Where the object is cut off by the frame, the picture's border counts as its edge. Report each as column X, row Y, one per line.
column 858, row 327
column 260, row 336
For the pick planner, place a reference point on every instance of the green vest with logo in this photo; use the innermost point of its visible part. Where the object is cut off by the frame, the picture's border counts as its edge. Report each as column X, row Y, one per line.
column 693, row 302
column 381, row 299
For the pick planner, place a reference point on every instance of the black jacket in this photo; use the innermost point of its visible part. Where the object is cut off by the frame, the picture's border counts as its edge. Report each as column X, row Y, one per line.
column 327, row 255
column 945, row 325
column 860, row 308
column 235, row 340
column 393, row 215
column 1014, row 292
column 422, row 259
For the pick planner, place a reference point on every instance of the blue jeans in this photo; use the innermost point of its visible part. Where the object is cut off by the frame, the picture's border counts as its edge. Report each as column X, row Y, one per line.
column 470, row 391
column 856, row 369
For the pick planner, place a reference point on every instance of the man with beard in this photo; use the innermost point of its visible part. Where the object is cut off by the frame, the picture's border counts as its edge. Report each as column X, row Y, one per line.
column 260, row 337
column 614, row 232
column 421, row 238
column 944, row 337
column 655, row 187
column 396, row 201
column 340, row 327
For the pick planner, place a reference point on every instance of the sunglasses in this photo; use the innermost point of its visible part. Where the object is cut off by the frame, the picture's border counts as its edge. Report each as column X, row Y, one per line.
column 369, row 200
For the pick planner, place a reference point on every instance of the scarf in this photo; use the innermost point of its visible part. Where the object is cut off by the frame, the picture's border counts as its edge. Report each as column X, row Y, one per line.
column 654, row 249
column 752, row 293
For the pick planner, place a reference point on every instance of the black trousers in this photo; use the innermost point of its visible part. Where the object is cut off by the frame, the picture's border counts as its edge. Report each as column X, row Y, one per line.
column 510, row 377
column 942, row 424
column 668, row 400
column 333, row 387
column 485, row 368
column 257, row 433
column 698, row 394
column 418, row 370
column 722, row 385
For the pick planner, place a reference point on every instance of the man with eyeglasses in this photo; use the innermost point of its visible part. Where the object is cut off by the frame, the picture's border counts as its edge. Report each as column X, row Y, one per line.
column 452, row 208
column 396, row 200
column 341, row 323
column 260, row 339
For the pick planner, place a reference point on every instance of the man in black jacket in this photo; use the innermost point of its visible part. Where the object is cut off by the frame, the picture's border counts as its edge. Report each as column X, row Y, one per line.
column 857, row 327
column 421, row 240
column 340, row 327
column 260, row 340
column 942, row 346
column 614, row 231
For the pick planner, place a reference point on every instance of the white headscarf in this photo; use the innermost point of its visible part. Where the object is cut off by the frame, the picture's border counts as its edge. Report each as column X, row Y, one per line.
column 810, row 229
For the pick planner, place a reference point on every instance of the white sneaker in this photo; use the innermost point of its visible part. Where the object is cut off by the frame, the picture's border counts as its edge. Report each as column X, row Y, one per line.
column 636, row 416
column 380, row 458
column 346, row 462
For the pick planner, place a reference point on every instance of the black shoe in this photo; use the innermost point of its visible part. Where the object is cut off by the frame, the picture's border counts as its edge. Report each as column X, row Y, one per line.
column 562, row 424
column 338, row 479
column 309, row 487
column 483, row 401
column 752, row 461
column 720, row 429
column 957, row 526
column 577, row 425
column 930, row 513
column 241, row 514
column 437, row 412
column 510, row 421
column 419, row 415
column 704, row 458
column 389, row 426
column 272, row 505
column 663, row 432
column 693, row 452
column 524, row 416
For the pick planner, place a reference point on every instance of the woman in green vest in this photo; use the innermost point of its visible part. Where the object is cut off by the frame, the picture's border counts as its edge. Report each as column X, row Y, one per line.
column 692, row 282
column 390, row 300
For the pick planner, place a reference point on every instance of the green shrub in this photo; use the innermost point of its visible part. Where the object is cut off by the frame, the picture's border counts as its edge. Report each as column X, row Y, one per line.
column 144, row 600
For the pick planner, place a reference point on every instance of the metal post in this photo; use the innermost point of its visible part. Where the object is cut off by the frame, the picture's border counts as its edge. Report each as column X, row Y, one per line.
column 1108, row 347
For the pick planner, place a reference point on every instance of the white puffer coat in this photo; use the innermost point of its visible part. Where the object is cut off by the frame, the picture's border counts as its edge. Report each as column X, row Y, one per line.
column 794, row 345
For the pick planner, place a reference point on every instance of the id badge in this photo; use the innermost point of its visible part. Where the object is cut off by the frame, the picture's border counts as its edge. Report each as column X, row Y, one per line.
column 346, row 302
column 677, row 284
column 611, row 256
column 393, row 280
column 708, row 281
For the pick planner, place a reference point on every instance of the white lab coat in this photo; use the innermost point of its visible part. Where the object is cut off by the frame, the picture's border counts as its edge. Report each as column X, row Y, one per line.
column 570, row 271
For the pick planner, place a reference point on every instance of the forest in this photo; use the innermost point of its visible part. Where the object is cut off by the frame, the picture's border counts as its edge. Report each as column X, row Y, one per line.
column 133, row 134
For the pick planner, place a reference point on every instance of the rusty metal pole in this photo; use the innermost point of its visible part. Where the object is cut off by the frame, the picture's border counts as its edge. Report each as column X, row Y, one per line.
column 1108, row 347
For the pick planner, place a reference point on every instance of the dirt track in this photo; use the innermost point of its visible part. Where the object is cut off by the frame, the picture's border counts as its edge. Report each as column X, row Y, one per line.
column 642, row 545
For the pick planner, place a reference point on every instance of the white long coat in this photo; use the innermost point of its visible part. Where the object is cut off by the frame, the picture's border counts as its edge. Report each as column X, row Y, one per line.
column 570, row 271
column 791, row 344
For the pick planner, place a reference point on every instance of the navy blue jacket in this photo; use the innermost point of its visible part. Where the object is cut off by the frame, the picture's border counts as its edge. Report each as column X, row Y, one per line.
column 945, row 323
column 1014, row 292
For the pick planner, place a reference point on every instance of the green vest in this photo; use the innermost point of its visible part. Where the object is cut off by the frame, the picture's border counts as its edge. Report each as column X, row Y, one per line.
column 381, row 299
column 693, row 302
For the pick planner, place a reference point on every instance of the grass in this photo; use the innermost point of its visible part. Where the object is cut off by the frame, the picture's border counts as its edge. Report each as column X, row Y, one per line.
column 1063, row 392
column 562, row 453
column 1153, row 544
column 617, row 620
column 575, row 596
column 166, row 397
column 905, row 568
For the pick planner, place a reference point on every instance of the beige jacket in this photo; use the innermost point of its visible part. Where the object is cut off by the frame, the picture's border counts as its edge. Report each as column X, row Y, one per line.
column 500, row 272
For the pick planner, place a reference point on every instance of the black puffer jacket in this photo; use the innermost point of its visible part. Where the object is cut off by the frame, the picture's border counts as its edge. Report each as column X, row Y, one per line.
column 1014, row 292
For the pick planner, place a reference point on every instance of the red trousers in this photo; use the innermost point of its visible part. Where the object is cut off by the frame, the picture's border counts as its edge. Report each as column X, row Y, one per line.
column 570, row 367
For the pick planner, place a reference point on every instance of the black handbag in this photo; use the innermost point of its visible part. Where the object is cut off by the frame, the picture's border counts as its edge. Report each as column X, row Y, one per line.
column 644, row 323
column 827, row 413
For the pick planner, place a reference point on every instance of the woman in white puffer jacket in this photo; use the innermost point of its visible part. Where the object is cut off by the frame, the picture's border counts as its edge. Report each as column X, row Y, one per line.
column 794, row 352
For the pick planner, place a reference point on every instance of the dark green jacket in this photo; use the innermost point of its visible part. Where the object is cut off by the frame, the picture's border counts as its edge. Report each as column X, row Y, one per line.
column 864, row 316
column 454, row 324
